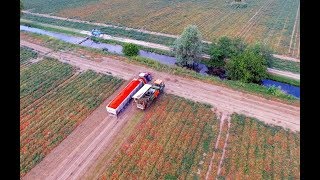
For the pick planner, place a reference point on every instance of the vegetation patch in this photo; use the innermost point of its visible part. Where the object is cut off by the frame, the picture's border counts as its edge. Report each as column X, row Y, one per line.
column 26, row 54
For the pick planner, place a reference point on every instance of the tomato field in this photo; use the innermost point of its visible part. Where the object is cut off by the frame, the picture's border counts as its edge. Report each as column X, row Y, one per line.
column 258, row 151
column 273, row 22
column 170, row 141
column 181, row 139
column 54, row 99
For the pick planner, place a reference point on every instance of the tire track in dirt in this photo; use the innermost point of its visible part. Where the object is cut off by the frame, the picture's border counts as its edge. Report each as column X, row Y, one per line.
column 216, row 144
column 255, row 21
column 251, row 20
column 224, row 147
column 294, row 29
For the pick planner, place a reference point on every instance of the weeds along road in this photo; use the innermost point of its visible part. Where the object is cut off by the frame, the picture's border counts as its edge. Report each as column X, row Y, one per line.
column 222, row 98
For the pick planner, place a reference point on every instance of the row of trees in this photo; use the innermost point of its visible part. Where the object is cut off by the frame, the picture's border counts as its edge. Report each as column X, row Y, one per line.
column 241, row 61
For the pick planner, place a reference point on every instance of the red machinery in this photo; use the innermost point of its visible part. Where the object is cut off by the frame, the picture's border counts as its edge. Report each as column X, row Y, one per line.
column 123, row 98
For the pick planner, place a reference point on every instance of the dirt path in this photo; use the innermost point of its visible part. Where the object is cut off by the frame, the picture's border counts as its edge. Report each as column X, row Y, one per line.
column 224, row 146
column 284, row 73
column 294, row 30
column 81, row 148
column 224, row 99
column 216, row 145
column 283, row 57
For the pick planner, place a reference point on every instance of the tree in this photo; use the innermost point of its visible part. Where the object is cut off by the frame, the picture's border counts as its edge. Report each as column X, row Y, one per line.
column 130, row 49
column 248, row 66
column 225, row 48
column 188, row 47
column 263, row 50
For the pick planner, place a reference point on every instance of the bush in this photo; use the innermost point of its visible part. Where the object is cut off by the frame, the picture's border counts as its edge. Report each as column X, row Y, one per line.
column 249, row 66
column 274, row 90
column 263, row 50
column 130, row 49
column 223, row 49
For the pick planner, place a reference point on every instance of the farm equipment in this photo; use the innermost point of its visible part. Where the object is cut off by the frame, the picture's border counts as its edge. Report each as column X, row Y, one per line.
column 123, row 98
column 95, row 32
column 145, row 96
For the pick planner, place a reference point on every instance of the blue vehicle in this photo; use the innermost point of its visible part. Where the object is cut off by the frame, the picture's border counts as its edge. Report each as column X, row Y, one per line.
column 95, row 32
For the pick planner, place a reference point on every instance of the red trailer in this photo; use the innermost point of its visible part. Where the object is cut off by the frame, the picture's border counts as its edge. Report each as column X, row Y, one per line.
column 123, row 98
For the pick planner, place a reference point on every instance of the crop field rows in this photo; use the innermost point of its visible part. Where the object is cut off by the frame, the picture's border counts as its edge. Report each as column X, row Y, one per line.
column 258, row 151
column 54, row 99
column 181, row 139
column 274, row 22
column 26, row 54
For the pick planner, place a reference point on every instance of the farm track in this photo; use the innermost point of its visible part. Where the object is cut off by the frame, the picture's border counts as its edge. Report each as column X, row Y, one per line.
column 294, row 31
column 256, row 20
column 228, row 119
column 284, row 73
column 224, row 99
column 251, row 21
column 80, row 149
column 222, row 119
column 245, row 30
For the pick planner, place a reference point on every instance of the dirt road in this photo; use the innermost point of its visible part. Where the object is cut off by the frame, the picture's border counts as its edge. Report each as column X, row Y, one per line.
column 83, row 146
column 224, row 99
column 284, row 73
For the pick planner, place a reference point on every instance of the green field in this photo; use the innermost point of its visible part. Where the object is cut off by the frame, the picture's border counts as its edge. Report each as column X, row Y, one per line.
column 274, row 22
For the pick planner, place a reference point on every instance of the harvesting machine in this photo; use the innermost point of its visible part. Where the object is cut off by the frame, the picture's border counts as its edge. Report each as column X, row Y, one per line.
column 123, row 98
column 145, row 96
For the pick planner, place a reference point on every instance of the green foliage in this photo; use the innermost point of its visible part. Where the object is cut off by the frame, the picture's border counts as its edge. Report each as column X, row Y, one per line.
column 284, row 65
column 187, row 161
column 284, row 80
column 170, row 177
column 225, row 48
column 262, row 50
column 130, row 49
column 274, row 90
column 188, row 47
column 26, row 54
column 248, row 66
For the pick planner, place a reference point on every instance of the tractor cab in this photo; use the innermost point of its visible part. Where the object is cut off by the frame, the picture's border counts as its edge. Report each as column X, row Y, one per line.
column 145, row 75
column 158, row 84
column 95, row 32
